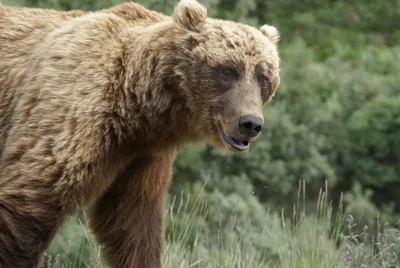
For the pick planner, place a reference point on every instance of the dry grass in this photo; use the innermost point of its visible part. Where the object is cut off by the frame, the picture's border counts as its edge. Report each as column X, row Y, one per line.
column 329, row 237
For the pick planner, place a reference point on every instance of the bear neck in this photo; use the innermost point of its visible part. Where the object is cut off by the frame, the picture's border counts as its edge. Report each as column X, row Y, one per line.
column 155, row 109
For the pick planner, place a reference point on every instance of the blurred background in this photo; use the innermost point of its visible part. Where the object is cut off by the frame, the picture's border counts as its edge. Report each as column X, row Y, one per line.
column 335, row 121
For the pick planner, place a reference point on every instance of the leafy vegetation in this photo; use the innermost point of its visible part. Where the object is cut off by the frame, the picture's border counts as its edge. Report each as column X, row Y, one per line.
column 335, row 119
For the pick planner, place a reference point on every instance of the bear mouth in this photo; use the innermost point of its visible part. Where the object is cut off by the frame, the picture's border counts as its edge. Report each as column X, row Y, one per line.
column 239, row 145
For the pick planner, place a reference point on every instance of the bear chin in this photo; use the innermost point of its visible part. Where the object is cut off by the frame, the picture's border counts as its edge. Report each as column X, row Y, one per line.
column 236, row 145
column 227, row 142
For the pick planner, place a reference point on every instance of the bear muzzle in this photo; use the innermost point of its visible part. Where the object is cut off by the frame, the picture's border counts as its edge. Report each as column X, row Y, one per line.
column 249, row 126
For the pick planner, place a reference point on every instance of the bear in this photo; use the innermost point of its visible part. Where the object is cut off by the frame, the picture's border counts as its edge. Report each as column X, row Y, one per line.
column 95, row 105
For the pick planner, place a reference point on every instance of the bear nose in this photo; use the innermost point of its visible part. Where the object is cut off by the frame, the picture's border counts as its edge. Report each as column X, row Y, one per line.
column 250, row 125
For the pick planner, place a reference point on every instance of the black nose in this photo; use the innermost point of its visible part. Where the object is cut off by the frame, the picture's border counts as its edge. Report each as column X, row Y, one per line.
column 250, row 125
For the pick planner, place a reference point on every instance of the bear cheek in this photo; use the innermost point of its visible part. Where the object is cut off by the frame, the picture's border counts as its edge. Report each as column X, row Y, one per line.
column 228, row 115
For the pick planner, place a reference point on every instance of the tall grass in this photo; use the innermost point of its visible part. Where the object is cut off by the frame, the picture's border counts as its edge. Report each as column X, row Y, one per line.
column 328, row 236
column 312, row 239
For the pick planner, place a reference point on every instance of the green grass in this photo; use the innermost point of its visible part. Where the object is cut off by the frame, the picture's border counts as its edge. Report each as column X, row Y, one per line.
column 326, row 237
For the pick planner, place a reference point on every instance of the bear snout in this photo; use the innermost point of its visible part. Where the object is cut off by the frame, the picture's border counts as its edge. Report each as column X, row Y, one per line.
column 250, row 126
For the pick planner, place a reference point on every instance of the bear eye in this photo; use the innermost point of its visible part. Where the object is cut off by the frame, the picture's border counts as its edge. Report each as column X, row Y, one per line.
column 264, row 82
column 228, row 72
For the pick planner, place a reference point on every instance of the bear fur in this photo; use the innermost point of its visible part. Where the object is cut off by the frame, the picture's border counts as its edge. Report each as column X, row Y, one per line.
column 95, row 105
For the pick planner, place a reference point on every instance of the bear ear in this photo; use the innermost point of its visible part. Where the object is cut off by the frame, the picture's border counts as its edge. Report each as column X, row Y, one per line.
column 190, row 14
column 271, row 32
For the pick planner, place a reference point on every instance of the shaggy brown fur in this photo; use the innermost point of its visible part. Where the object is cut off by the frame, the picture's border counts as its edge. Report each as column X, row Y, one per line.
column 93, row 107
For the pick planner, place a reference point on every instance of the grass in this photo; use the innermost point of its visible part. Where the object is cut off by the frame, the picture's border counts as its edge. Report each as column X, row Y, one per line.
column 328, row 237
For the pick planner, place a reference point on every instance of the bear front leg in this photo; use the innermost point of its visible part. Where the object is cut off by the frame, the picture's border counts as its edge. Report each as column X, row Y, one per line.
column 127, row 219
column 37, row 192
column 30, row 215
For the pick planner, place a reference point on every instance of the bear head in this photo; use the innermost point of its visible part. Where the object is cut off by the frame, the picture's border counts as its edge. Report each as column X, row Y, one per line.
column 228, row 72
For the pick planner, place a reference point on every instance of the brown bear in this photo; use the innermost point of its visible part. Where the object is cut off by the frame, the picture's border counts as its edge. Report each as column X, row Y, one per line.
column 95, row 105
